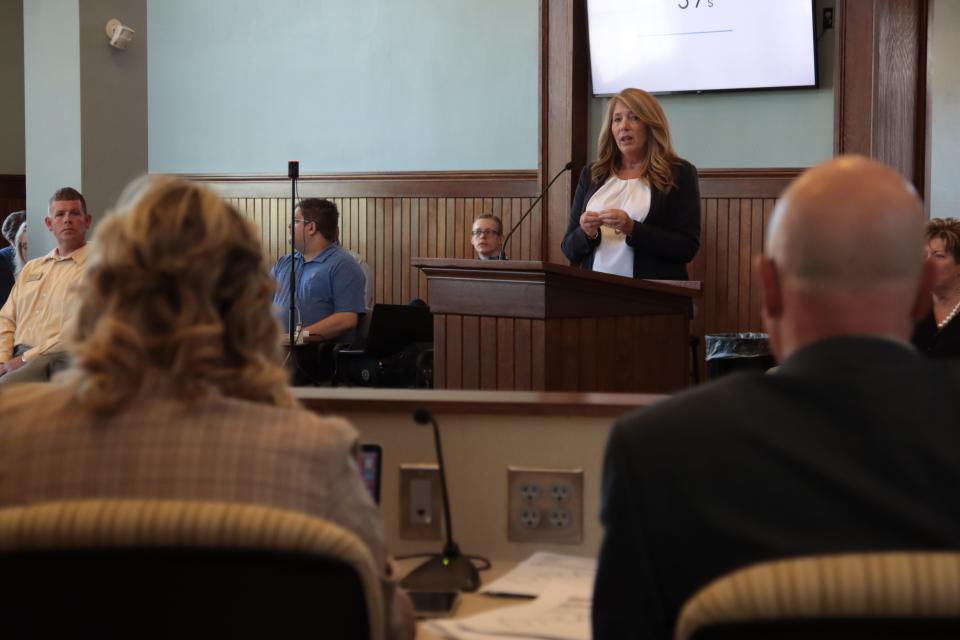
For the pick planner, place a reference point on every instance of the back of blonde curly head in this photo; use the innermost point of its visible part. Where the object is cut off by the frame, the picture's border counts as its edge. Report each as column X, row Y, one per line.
column 177, row 297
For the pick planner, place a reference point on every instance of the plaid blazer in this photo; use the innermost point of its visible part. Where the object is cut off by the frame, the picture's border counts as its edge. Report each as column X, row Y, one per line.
column 221, row 449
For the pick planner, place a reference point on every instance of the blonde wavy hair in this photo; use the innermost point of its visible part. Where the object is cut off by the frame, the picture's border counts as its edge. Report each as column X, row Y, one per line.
column 176, row 295
column 660, row 157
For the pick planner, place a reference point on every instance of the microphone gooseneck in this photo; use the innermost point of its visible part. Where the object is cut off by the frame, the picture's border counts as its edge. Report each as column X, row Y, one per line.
column 450, row 570
column 424, row 416
column 513, row 229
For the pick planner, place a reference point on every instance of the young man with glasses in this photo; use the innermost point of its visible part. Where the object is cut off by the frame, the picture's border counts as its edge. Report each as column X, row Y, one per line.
column 329, row 284
column 487, row 236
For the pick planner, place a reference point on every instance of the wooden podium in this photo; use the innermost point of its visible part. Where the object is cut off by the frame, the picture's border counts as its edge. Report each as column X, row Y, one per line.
column 526, row 325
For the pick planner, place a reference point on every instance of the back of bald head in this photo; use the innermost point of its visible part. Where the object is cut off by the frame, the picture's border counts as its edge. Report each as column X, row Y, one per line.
column 848, row 225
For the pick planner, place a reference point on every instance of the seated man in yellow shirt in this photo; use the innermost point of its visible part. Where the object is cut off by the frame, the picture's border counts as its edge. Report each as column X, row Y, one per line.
column 43, row 300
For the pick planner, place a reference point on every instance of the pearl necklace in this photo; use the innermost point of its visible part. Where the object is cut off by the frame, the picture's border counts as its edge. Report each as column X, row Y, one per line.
column 950, row 316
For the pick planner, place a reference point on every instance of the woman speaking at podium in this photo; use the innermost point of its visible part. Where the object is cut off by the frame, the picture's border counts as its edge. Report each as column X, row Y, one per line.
column 636, row 212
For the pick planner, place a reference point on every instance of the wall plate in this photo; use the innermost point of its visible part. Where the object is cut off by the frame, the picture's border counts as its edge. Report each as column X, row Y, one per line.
column 421, row 502
column 545, row 505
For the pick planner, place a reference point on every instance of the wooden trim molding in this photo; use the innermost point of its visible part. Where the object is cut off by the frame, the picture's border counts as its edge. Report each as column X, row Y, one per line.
column 564, row 112
column 746, row 183
column 521, row 183
column 549, row 403
column 880, row 83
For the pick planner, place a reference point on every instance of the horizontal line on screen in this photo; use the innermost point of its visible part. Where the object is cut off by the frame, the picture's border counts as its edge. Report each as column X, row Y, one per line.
column 683, row 33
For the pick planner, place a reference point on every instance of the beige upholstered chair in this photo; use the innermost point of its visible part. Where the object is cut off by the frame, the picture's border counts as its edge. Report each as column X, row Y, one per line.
column 164, row 569
column 869, row 595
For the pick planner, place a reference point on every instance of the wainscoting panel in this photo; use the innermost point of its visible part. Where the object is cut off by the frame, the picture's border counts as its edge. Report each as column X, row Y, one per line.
column 388, row 232
column 430, row 215
column 735, row 206
column 511, row 353
column 733, row 230
column 390, row 218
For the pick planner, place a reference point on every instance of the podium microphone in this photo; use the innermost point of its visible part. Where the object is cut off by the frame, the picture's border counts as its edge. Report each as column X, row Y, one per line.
column 503, row 247
column 450, row 570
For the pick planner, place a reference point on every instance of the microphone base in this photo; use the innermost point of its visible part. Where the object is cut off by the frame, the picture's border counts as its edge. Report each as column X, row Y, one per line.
column 443, row 573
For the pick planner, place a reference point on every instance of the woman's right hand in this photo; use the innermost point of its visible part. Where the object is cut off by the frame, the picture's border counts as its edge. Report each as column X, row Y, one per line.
column 590, row 223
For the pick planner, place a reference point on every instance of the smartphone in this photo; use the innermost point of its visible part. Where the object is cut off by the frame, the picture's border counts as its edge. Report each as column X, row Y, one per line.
column 434, row 604
column 371, row 462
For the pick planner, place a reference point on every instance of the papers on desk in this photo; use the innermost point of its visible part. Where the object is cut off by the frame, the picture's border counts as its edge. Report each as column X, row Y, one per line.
column 532, row 576
column 563, row 588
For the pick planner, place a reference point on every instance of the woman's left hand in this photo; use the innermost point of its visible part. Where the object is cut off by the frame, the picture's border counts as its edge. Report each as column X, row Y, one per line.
column 618, row 220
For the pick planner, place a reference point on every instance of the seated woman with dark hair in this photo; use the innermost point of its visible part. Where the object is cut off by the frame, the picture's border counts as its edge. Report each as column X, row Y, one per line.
column 176, row 391
column 938, row 333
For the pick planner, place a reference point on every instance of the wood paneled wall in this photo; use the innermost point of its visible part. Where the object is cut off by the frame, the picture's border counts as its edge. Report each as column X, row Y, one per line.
column 13, row 197
column 388, row 230
column 735, row 208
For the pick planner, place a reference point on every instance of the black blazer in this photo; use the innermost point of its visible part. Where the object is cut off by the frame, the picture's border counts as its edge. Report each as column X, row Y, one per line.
column 937, row 343
column 663, row 243
column 853, row 444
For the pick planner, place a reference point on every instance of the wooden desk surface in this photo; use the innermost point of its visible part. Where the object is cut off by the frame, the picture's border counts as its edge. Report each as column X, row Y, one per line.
column 470, row 603
column 369, row 399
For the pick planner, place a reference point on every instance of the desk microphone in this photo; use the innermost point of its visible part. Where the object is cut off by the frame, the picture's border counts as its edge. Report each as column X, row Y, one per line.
column 503, row 247
column 450, row 570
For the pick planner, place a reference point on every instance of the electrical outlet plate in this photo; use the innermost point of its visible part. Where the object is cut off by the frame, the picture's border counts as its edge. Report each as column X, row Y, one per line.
column 421, row 502
column 545, row 505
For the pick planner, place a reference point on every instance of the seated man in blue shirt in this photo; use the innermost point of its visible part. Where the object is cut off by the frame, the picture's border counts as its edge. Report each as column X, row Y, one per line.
column 329, row 282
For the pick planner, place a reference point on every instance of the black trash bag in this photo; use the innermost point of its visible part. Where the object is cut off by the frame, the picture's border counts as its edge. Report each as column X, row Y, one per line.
column 730, row 352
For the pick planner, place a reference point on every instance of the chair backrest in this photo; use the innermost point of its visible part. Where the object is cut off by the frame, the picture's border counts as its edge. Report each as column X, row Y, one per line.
column 182, row 569
column 395, row 326
column 869, row 595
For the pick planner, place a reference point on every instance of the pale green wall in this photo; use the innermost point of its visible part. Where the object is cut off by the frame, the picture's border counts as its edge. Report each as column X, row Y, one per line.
column 51, row 62
column 12, row 160
column 86, row 105
column 243, row 86
column 944, row 92
column 792, row 128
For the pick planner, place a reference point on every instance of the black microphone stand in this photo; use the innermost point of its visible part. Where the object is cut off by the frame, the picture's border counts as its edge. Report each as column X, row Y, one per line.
column 450, row 570
column 503, row 247
column 293, row 172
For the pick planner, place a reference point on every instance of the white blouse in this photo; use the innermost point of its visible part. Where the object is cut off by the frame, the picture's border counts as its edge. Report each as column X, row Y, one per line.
column 613, row 255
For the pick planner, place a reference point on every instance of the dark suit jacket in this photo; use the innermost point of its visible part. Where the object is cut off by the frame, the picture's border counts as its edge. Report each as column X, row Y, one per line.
column 854, row 444
column 663, row 243
column 943, row 343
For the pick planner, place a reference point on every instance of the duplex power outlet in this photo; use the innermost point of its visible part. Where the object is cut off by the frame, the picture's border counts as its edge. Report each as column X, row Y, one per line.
column 421, row 502
column 545, row 505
